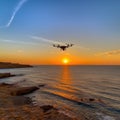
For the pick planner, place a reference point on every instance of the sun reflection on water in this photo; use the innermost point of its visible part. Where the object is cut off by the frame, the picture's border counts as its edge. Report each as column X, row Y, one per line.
column 65, row 85
column 66, row 77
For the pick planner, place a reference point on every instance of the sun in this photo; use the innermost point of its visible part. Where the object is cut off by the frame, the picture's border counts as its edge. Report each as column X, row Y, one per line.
column 65, row 61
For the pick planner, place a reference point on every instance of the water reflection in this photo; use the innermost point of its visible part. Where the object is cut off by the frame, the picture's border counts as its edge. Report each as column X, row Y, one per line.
column 65, row 88
column 65, row 82
column 66, row 76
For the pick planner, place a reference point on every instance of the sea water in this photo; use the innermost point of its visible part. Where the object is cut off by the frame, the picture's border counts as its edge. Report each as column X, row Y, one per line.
column 90, row 91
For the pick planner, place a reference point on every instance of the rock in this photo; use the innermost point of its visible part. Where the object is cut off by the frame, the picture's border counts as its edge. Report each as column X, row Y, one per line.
column 88, row 100
column 91, row 99
column 41, row 85
column 6, row 84
column 24, row 90
column 21, row 108
column 21, row 100
column 46, row 108
column 5, row 75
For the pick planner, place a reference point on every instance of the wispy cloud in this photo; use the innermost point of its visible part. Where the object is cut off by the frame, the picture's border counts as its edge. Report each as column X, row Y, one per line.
column 18, row 42
column 17, row 8
column 109, row 53
column 45, row 40
column 56, row 42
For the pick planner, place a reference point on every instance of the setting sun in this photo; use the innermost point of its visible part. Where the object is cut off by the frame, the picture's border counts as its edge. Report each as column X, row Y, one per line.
column 65, row 61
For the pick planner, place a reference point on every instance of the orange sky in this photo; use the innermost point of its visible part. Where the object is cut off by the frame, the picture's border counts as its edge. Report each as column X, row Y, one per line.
column 31, row 55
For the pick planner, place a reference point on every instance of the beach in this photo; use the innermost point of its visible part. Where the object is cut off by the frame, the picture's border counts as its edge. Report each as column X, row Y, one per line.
column 14, row 106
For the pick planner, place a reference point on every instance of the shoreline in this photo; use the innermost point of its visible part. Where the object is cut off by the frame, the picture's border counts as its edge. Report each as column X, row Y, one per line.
column 20, row 107
column 6, row 75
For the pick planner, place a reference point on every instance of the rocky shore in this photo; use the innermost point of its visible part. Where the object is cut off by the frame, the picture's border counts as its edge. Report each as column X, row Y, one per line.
column 5, row 75
column 4, row 65
column 15, row 106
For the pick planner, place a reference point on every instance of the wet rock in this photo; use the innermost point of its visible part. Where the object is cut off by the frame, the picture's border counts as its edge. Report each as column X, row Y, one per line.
column 20, row 100
column 6, row 84
column 41, row 85
column 46, row 108
column 91, row 99
column 88, row 100
column 5, row 75
column 21, row 108
column 24, row 90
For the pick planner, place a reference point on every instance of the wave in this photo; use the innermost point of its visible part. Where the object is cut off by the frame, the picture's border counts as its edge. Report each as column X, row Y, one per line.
column 71, row 99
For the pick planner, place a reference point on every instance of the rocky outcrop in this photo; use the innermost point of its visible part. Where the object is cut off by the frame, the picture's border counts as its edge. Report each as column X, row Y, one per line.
column 5, row 84
column 20, row 107
column 89, row 100
column 24, row 90
column 5, row 75
column 12, row 65
column 46, row 108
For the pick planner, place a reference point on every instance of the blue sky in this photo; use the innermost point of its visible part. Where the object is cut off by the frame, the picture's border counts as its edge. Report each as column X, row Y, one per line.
column 99, row 17
column 89, row 23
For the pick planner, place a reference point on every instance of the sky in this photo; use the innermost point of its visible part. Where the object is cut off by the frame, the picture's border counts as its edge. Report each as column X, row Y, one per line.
column 29, row 28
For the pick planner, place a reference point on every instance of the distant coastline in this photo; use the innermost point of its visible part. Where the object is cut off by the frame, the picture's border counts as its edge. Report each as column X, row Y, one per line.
column 4, row 65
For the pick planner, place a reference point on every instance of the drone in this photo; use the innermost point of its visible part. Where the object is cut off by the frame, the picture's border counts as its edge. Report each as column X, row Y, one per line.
column 63, row 47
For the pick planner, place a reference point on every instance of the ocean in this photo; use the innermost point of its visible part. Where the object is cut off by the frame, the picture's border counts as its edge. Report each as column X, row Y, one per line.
column 91, row 91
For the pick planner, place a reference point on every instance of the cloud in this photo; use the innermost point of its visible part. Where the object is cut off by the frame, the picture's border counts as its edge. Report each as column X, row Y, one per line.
column 17, row 8
column 45, row 40
column 18, row 42
column 56, row 42
column 109, row 53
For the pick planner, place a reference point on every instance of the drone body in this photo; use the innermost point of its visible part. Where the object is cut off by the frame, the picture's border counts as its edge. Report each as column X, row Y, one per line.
column 63, row 47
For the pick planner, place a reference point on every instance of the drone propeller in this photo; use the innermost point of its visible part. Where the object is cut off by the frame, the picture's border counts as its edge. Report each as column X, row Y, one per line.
column 69, row 45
